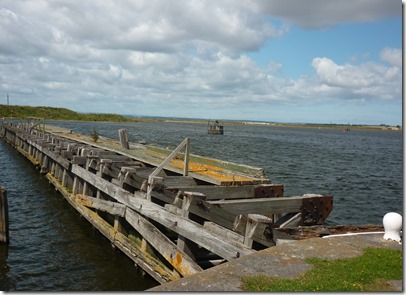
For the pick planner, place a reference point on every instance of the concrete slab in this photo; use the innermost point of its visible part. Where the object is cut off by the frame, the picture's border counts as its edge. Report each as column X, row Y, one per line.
column 285, row 260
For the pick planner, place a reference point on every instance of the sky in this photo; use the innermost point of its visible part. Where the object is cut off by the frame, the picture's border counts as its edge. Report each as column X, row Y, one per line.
column 307, row 61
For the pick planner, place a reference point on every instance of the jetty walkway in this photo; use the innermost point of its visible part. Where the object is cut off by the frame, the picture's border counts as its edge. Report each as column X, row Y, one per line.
column 173, row 213
column 286, row 260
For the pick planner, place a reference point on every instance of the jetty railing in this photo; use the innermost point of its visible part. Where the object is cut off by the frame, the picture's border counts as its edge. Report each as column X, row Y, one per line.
column 174, row 214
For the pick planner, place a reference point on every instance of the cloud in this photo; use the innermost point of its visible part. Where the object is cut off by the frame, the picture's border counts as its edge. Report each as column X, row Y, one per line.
column 145, row 26
column 192, row 54
column 322, row 13
column 392, row 56
column 369, row 80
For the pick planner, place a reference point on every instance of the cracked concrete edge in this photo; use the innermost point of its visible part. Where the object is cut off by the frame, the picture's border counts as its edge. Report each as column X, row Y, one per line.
column 284, row 260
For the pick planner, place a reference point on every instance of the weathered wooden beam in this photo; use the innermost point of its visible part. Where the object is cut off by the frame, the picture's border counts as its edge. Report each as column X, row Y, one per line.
column 79, row 160
column 177, row 258
column 215, row 192
column 213, row 242
column 113, row 208
column 253, row 220
column 151, row 265
column 148, row 263
column 224, row 231
column 263, row 206
column 261, row 233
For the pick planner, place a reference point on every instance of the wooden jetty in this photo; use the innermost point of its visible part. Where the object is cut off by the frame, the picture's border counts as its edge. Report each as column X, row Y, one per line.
column 170, row 211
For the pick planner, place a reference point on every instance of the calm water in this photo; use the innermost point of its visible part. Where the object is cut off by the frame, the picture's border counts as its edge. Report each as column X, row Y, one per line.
column 52, row 248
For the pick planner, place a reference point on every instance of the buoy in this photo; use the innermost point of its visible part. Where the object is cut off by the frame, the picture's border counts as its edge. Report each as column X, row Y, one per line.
column 392, row 223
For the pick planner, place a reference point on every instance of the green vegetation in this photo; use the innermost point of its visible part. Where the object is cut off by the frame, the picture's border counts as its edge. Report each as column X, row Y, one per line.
column 50, row 113
column 369, row 272
column 94, row 135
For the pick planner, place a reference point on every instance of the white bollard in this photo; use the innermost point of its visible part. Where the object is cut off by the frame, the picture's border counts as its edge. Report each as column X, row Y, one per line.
column 392, row 223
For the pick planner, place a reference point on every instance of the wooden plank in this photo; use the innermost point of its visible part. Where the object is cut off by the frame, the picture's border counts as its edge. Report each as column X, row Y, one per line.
column 290, row 220
column 183, row 243
column 178, row 259
column 224, row 231
column 215, row 192
column 262, row 206
column 148, row 263
column 193, row 231
column 241, row 169
column 79, row 160
column 113, row 208
column 56, row 157
column 253, row 220
column 179, row 181
column 262, row 233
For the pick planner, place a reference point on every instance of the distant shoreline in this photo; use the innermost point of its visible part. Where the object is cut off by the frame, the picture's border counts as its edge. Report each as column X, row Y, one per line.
column 253, row 123
column 51, row 113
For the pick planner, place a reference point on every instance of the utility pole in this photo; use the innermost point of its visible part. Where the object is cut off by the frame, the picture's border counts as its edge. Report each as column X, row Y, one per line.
column 7, row 99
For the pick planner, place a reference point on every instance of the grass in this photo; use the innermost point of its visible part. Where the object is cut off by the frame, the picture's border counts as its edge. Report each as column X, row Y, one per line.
column 50, row 113
column 368, row 272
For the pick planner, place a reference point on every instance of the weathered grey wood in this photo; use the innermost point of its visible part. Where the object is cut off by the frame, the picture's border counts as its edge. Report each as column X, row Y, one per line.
column 67, row 154
column 179, row 181
column 224, row 231
column 56, row 157
column 183, row 243
column 261, row 233
column 4, row 221
column 177, row 258
column 293, row 221
column 253, row 220
column 262, row 206
column 123, row 135
column 213, row 242
column 200, row 208
column 150, row 264
column 113, row 208
column 185, row 265
column 215, row 192
column 160, row 273
column 79, row 160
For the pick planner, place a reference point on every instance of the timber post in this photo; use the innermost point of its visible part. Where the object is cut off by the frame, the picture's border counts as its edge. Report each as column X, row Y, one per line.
column 4, row 225
column 123, row 134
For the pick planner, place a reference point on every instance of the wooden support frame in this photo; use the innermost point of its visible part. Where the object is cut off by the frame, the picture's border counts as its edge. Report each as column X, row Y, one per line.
column 184, row 143
column 190, row 229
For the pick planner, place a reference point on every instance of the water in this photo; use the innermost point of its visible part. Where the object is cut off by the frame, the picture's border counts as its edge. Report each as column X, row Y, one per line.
column 53, row 248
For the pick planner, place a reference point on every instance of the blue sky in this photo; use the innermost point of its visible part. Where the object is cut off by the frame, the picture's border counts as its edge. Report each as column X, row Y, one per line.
column 310, row 61
column 362, row 41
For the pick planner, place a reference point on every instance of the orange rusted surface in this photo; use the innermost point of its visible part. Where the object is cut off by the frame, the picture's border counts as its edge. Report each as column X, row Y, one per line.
column 154, row 156
column 177, row 263
column 211, row 171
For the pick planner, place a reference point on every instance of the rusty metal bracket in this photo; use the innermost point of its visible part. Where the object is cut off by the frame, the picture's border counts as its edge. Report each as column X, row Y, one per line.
column 269, row 191
column 315, row 210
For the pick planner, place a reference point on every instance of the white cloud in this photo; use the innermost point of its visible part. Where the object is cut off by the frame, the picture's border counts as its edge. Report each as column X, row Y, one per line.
column 364, row 81
column 393, row 56
column 324, row 13
column 176, row 53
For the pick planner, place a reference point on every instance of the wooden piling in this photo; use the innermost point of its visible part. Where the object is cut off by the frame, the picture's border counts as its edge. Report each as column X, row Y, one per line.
column 123, row 134
column 4, row 225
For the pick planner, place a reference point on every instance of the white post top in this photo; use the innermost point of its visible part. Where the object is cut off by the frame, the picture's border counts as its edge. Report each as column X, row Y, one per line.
column 392, row 223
